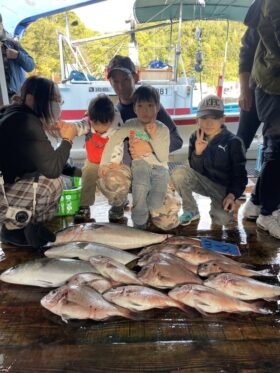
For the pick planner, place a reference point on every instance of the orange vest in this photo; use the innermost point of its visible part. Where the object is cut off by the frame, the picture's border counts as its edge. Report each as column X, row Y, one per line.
column 94, row 146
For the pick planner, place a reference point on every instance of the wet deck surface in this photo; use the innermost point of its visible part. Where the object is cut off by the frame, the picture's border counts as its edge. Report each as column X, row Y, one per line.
column 34, row 340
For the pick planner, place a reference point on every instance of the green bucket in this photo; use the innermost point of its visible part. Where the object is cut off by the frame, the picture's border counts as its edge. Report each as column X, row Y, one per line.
column 69, row 202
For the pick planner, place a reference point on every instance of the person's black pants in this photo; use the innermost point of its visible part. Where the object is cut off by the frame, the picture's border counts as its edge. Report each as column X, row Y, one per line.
column 267, row 189
column 248, row 125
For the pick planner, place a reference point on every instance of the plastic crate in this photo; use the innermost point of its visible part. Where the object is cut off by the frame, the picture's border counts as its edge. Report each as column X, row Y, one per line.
column 69, row 202
column 259, row 158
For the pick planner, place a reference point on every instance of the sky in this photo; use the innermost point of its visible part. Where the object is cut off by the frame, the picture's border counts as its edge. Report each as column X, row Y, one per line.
column 107, row 16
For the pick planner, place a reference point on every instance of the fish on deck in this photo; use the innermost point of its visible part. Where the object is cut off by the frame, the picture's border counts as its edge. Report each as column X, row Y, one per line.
column 114, row 270
column 218, row 266
column 81, row 302
column 165, row 274
column 85, row 251
column 115, row 235
column 242, row 287
column 207, row 300
column 197, row 255
column 140, row 298
column 190, row 253
column 45, row 272
column 173, row 259
column 93, row 280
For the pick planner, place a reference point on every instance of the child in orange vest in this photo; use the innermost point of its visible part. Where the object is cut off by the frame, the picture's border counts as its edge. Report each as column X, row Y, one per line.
column 101, row 122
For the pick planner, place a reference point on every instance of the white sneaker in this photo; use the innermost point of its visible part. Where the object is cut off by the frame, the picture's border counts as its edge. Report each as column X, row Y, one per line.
column 251, row 211
column 269, row 223
column 276, row 215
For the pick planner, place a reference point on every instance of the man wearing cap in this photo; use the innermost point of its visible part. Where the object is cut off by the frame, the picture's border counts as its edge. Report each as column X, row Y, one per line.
column 215, row 168
column 16, row 61
column 123, row 77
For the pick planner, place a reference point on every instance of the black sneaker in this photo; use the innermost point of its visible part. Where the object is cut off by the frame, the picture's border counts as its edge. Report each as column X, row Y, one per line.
column 116, row 213
column 83, row 216
column 126, row 205
column 13, row 236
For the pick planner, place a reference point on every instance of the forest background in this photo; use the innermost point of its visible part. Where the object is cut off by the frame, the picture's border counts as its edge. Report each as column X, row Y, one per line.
column 41, row 41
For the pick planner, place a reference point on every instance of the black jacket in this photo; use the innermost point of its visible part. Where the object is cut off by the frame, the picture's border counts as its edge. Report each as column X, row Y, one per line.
column 24, row 147
column 249, row 43
column 223, row 161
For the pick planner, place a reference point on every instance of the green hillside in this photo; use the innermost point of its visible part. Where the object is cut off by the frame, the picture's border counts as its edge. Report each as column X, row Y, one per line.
column 41, row 41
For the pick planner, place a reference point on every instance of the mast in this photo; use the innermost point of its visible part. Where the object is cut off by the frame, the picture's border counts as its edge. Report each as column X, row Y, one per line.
column 178, row 45
column 222, row 74
column 133, row 46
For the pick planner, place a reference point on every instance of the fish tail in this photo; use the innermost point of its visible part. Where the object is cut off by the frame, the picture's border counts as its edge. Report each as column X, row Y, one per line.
column 265, row 273
column 258, row 307
column 263, row 311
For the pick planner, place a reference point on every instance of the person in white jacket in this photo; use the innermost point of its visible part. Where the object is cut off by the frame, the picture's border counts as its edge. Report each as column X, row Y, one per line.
column 150, row 174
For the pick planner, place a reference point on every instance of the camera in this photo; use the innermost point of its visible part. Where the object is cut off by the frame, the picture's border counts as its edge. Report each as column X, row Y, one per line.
column 19, row 214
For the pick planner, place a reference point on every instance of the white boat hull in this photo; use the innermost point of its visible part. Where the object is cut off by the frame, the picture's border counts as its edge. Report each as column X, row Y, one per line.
column 176, row 98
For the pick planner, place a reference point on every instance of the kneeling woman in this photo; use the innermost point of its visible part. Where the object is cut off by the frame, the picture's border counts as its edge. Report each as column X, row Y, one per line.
column 30, row 185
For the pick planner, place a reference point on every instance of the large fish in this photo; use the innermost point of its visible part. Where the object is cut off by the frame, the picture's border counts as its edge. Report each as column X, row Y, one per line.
column 207, row 300
column 242, row 287
column 140, row 298
column 84, row 251
column 45, row 272
column 115, row 235
column 165, row 274
column 114, row 270
column 217, row 266
column 81, row 302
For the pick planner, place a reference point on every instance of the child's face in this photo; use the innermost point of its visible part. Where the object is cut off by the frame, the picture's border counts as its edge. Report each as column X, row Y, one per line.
column 146, row 111
column 210, row 125
column 100, row 127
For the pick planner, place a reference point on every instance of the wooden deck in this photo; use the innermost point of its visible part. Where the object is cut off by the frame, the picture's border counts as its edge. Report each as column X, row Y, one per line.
column 34, row 340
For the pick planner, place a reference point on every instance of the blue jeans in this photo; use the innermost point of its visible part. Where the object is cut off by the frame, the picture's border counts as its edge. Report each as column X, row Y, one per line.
column 149, row 186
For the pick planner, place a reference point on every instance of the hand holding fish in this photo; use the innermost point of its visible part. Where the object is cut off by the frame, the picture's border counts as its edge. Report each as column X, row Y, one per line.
column 200, row 143
column 138, row 148
column 229, row 202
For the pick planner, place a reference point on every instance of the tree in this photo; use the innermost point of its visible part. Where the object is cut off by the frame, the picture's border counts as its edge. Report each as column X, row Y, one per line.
column 41, row 40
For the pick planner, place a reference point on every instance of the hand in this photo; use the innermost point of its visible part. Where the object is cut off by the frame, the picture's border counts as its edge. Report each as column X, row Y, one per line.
column 245, row 99
column 11, row 54
column 138, row 148
column 66, row 130
column 151, row 129
column 200, row 143
column 229, row 202
column 102, row 170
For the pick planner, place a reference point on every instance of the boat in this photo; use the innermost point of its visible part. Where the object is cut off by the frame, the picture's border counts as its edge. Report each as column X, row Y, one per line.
column 176, row 92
